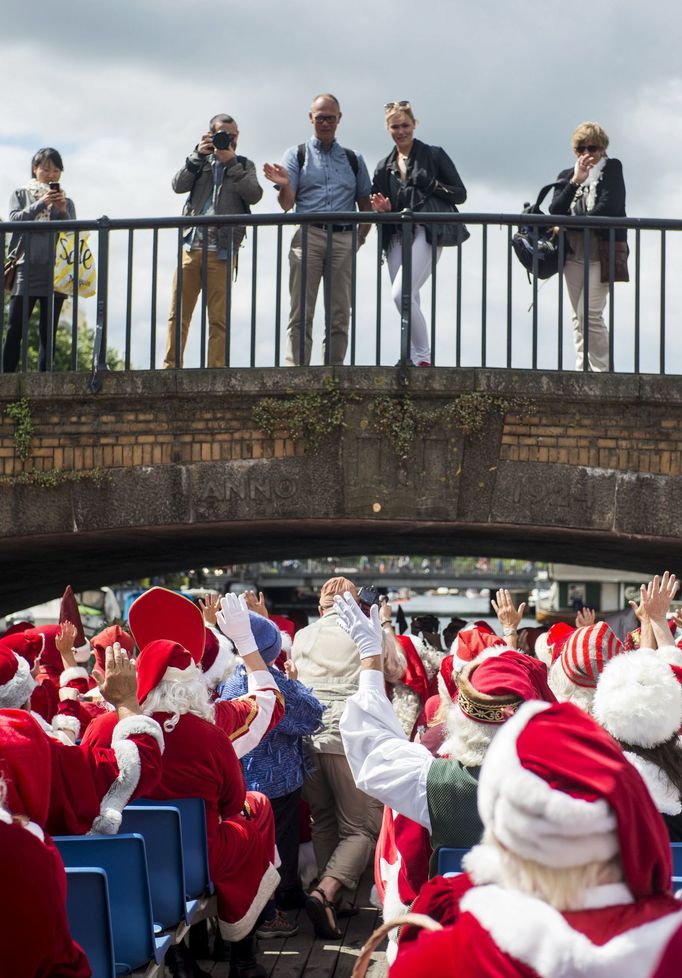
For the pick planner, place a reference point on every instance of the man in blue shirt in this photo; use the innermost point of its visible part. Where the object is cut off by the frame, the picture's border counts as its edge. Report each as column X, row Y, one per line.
column 327, row 178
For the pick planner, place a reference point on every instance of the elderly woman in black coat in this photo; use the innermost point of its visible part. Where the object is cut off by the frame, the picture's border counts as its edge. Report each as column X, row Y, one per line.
column 593, row 187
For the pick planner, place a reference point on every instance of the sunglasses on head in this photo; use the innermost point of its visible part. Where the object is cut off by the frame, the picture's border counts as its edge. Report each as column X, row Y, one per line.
column 397, row 105
column 587, row 149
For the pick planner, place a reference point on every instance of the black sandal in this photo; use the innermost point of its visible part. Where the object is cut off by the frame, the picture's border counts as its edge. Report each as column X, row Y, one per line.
column 317, row 912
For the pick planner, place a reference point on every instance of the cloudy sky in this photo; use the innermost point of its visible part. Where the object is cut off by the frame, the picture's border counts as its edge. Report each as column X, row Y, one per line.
column 124, row 90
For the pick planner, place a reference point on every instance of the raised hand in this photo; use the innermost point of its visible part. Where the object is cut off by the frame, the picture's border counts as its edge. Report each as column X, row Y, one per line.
column 585, row 616
column 507, row 613
column 210, row 607
column 364, row 631
column 276, row 173
column 64, row 642
column 256, row 604
column 233, row 621
column 658, row 594
column 119, row 686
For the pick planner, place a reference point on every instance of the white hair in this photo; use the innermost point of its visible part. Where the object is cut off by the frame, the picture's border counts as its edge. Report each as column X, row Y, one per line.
column 564, row 889
column 467, row 740
column 177, row 698
column 566, row 690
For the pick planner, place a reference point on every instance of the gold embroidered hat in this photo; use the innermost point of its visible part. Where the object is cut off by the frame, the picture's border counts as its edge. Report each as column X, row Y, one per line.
column 491, row 691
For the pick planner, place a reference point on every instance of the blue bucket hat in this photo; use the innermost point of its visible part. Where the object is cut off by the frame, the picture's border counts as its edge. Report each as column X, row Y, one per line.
column 267, row 635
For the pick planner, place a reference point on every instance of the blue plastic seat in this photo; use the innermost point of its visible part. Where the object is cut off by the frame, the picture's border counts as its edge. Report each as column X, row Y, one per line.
column 87, row 906
column 161, row 830
column 676, row 852
column 450, row 860
column 194, row 842
column 124, row 860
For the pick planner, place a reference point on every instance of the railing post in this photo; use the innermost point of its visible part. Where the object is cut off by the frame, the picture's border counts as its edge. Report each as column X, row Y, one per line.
column 407, row 231
column 99, row 351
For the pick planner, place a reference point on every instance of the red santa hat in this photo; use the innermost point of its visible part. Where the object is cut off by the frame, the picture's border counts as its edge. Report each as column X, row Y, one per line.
column 163, row 660
column 471, row 642
column 586, row 652
column 25, row 767
column 447, row 685
column 16, row 681
column 638, row 699
column 218, row 657
column 26, row 644
column 106, row 639
column 50, row 657
column 556, row 789
column 69, row 611
column 163, row 614
column 493, row 690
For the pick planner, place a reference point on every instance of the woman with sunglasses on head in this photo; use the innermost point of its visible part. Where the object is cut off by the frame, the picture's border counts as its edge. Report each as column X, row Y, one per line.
column 416, row 177
column 593, row 187
column 42, row 199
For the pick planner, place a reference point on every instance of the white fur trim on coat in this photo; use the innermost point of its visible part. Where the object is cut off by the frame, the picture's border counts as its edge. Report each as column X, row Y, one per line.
column 638, row 699
column 128, row 757
column 664, row 795
column 65, row 722
column 534, row 820
column 18, row 690
column 73, row 672
column 536, row 934
column 237, row 929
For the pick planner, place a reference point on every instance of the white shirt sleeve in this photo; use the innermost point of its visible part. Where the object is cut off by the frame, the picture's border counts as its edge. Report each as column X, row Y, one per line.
column 384, row 763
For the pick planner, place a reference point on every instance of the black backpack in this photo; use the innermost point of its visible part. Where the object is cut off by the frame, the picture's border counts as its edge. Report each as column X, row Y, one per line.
column 350, row 155
column 535, row 246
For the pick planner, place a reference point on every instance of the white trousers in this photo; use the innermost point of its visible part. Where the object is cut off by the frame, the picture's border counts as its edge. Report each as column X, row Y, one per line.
column 420, row 346
column 598, row 337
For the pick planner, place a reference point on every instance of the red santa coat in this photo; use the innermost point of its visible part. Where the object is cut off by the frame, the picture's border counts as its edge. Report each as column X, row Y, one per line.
column 35, row 941
column 199, row 761
column 92, row 784
column 249, row 718
column 500, row 933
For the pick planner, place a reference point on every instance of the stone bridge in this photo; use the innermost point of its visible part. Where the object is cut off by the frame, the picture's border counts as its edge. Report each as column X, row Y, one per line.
column 163, row 470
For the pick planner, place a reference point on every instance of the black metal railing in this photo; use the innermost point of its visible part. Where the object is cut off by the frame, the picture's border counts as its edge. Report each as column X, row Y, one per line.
column 483, row 310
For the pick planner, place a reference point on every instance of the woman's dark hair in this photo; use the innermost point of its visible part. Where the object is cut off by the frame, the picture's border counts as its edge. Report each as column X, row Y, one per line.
column 667, row 756
column 49, row 154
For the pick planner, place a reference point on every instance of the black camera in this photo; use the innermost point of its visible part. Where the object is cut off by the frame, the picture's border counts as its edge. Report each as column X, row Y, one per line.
column 222, row 139
column 368, row 596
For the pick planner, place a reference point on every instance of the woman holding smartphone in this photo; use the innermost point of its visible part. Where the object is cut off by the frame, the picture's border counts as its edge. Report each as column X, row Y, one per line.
column 42, row 199
column 594, row 187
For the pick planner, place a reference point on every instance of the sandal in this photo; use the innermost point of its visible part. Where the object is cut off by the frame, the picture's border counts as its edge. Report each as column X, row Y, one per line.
column 317, row 912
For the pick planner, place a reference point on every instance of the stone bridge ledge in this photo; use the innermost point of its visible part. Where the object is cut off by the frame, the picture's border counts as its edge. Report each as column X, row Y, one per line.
column 165, row 469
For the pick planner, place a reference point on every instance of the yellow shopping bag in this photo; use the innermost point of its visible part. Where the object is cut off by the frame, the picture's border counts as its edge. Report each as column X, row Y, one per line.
column 64, row 265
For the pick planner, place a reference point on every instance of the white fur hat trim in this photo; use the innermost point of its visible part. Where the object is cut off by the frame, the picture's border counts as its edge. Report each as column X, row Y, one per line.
column 638, row 699
column 73, row 672
column 18, row 690
column 532, row 819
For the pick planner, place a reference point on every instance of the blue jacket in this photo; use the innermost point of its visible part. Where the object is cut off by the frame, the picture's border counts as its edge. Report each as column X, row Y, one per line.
column 277, row 765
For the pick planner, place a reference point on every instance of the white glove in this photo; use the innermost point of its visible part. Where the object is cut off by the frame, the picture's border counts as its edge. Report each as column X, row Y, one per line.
column 233, row 621
column 365, row 632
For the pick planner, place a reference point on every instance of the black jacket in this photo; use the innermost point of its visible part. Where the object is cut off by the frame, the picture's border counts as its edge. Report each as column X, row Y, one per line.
column 610, row 196
column 431, row 178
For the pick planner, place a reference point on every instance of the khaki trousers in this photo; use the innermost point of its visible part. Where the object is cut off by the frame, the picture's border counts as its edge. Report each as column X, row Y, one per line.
column 340, row 263
column 346, row 821
column 598, row 336
column 216, row 291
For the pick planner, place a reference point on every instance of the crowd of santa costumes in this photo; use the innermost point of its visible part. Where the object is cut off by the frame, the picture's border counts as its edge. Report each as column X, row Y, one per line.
column 552, row 756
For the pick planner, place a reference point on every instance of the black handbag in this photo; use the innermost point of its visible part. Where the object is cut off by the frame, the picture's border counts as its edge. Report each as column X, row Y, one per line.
column 536, row 246
column 447, row 235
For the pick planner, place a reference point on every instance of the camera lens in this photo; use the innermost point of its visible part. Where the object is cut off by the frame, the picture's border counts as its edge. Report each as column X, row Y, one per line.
column 222, row 139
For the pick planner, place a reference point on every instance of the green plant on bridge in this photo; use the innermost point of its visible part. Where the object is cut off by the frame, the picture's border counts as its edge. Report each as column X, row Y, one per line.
column 20, row 413
column 402, row 422
column 53, row 478
column 309, row 417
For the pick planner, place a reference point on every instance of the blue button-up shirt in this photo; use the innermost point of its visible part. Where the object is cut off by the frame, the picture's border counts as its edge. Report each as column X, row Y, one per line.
column 326, row 181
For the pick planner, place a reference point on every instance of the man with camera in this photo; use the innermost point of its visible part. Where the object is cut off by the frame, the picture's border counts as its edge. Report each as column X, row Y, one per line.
column 218, row 181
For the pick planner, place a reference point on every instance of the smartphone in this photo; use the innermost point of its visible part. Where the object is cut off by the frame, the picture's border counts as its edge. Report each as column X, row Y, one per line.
column 54, row 186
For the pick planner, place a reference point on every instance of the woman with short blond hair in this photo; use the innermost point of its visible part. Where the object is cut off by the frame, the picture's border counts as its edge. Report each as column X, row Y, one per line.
column 593, row 187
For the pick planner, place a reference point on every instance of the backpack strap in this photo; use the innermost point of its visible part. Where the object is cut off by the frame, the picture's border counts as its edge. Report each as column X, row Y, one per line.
column 545, row 190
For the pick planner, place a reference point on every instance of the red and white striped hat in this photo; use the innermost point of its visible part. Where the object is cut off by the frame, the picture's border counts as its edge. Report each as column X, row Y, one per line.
column 587, row 651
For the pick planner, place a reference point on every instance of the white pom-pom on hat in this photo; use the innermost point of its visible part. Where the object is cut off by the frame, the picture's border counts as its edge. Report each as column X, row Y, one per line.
column 638, row 699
